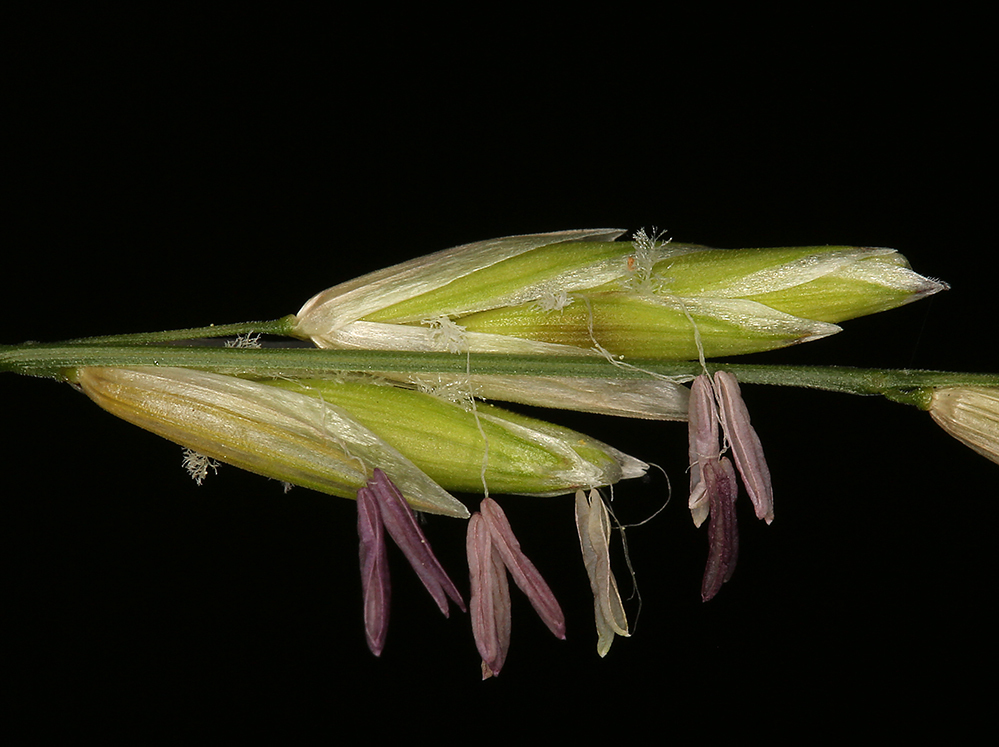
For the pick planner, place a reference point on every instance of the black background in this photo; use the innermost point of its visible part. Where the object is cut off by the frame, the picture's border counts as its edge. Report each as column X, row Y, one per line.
column 165, row 172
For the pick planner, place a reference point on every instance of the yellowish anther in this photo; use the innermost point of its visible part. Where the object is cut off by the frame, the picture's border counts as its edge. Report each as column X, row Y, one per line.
column 593, row 525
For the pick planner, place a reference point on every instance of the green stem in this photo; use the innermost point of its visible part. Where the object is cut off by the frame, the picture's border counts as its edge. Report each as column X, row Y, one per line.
column 282, row 326
column 58, row 359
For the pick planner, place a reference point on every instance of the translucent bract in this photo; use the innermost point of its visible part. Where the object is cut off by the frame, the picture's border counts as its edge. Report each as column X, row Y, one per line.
column 971, row 415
